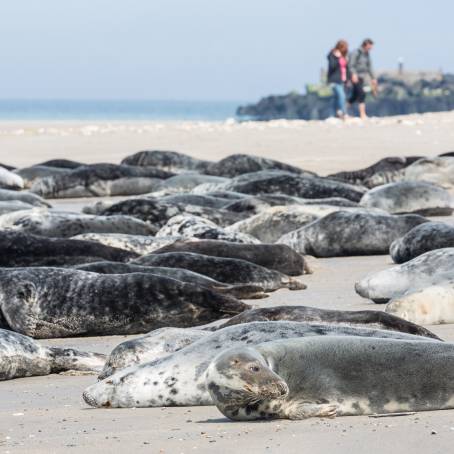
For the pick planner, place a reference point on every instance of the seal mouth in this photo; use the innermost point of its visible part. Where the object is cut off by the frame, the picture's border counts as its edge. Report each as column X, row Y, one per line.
column 277, row 390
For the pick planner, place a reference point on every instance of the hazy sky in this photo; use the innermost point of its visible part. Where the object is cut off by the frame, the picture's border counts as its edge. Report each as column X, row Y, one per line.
column 204, row 49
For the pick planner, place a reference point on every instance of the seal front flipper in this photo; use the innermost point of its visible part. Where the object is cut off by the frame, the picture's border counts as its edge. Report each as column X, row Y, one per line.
column 304, row 410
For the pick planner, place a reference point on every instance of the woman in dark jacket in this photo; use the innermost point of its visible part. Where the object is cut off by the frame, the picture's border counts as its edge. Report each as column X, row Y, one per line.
column 338, row 75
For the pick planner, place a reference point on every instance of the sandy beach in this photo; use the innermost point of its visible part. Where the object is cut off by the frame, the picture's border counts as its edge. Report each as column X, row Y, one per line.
column 47, row 414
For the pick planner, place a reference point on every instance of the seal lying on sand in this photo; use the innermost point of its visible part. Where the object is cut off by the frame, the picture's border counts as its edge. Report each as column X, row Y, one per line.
column 345, row 233
column 329, row 376
column 238, row 164
column 21, row 249
column 13, row 205
column 230, row 271
column 187, row 181
column 410, row 197
column 60, row 224
column 21, row 356
column 364, row 319
column 140, row 244
column 62, row 163
column 277, row 257
column 100, row 180
column 385, row 167
column 23, row 196
column 33, row 173
column 55, row 302
column 428, row 269
column 9, row 180
column 190, row 226
column 439, row 171
column 422, row 238
column 171, row 161
column 241, row 291
column 179, row 378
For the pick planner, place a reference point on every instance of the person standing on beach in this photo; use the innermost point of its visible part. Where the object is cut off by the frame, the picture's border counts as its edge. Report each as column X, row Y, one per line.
column 363, row 78
column 338, row 75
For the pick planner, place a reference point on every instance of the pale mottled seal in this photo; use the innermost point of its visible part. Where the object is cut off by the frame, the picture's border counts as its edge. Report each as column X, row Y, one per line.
column 238, row 164
column 434, row 170
column 410, row 197
column 60, row 224
column 191, row 226
column 345, row 233
column 277, row 257
column 170, row 161
column 432, row 305
column 21, row 356
column 100, row 180
column 23, row 196
column 275, row 182
column 329, row 376
column 22, row 249
column 422, row 238
column 187, row 181
column 230, row 271
column 9, row 180
column 430, row 268
column 179, row 378
column 55, row 302
column 13, row 205
column 241, row 291
column 363, row 319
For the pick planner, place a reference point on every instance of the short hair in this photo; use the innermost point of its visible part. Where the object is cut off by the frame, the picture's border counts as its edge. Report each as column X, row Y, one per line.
column 367, row 41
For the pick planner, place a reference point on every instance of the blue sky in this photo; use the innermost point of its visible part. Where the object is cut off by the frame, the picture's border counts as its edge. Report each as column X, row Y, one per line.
column 204, row 49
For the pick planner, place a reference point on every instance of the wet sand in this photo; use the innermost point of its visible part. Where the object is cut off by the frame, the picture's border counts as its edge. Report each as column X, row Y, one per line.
column 47, row 414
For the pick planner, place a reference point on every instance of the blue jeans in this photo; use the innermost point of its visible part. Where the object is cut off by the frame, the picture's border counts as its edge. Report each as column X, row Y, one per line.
column 340, row 98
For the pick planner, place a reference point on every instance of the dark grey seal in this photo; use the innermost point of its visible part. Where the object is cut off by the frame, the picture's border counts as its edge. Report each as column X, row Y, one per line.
column 179, row 379
column 345, row 233
column 240, row 291
column 277, row 257
column 423, row 238
column 239, row 164
column 170, row 161
column 22, row 249
column 23, row 196
column 33, row 173
column 62, row 163
column 21, row 356
column 56, row 302
column 230, row 271
column 329, row 376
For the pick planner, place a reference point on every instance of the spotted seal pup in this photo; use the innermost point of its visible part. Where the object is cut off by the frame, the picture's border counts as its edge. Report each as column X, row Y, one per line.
column 422, row 238
column 230, row 271
column 190, row 226
column 241, row 291
column 9, row 180
column 178, row 379
column 61, row 224
column 239, row 164
column 171, row 161
column 21, row 356
column 277, row 257
column 23, row 196
column 23, row 249
column 56, row 302
column 427, row 269
column 410, row 197
column 345, row 233
column 329, row 376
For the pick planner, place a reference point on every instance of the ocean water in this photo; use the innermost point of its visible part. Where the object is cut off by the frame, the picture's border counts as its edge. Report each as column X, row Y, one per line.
column 13, row 109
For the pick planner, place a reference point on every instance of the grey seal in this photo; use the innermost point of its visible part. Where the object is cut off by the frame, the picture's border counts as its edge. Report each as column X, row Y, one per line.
column 228, row 270
column 23, row 196
column 22, row 249
column 178, row 379
column 21, row 356
column 409, row 197
column 56, row 302
column 171, row 161
column 345, row 233
column 430, row 268
column 422, row 238
column 61, row 224
column 437, row 170
column 329, row 376
column 33, row 173
column 277, row 257
column 62, row 163
column 13, row 205
column 9, row 180
column 241, row 291
column 188, row 181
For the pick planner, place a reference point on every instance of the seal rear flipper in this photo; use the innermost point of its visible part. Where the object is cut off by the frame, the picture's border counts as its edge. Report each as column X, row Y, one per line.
column 304, row 410
column 63, row 359
column 243, row 291
column 293, row 284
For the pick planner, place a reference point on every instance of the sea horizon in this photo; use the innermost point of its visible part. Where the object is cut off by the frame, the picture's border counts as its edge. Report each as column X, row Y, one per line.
column 116, row 109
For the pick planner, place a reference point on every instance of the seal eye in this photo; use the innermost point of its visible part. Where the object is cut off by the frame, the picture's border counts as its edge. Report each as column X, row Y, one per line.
column 254, row 368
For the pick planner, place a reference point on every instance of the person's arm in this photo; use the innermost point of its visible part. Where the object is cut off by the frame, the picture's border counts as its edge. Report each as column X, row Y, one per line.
column 333, row 62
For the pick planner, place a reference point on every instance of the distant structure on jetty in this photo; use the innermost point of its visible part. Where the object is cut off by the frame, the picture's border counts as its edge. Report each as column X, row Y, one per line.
column 400, row 93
